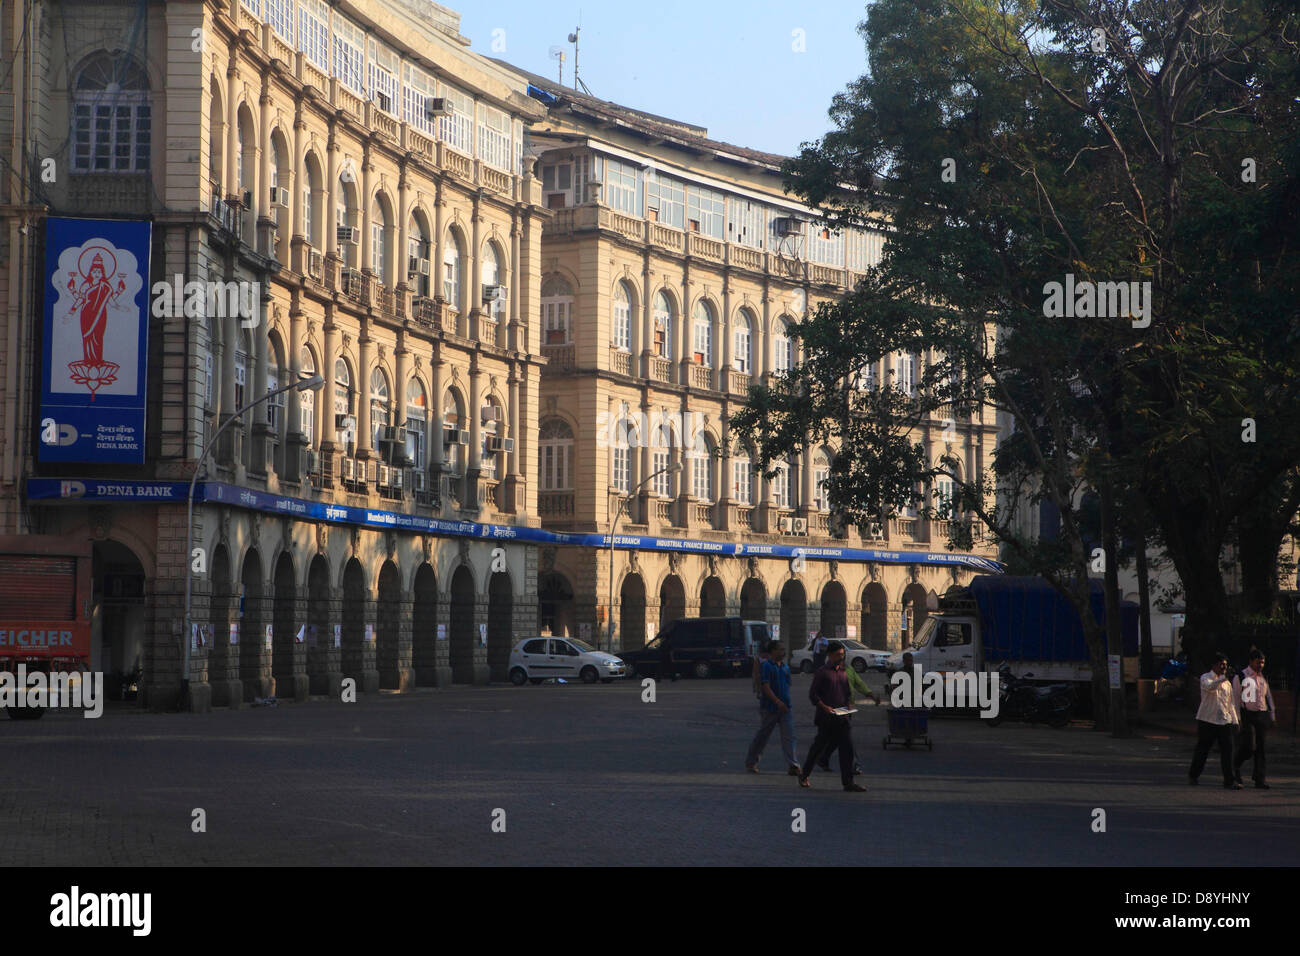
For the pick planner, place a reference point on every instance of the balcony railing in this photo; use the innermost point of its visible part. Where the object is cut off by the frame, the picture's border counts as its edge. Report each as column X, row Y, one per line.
column 494, row 179
column 707, row 248
column 560, row 358
column 666, row 236
column 703, row 513
column 620, row 361
column 745, row 518
column 555, row 504
column 737, row 382
column 661, row 369
column 664, row 511
column 701, row 376
column 457, row 163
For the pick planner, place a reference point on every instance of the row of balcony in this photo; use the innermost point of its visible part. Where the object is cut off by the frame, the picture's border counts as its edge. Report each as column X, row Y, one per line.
column 593, row 217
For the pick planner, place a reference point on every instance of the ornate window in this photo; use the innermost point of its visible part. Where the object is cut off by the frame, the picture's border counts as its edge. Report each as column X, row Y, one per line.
column 555, row 453
column 111, row 116
column 557, row 308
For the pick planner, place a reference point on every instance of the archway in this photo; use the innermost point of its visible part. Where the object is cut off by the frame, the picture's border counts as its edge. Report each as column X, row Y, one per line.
column 320, row 625
column 501, row 614
column 753, row 601
column 119, row 623
column 462, row 626
column 713, row 598
column 354, row 621
column 915, row 611
column 672, row 601
column 253, row 663
column 424, row 627
column 794, row 615
column 555, row 604
column 875, row 617
column 834, row 611
column 388, row 627
column 631, row 622
column 284, row 627
column 223, row 659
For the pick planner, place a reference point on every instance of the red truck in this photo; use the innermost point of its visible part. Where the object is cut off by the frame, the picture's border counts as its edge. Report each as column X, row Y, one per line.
column 45, row 597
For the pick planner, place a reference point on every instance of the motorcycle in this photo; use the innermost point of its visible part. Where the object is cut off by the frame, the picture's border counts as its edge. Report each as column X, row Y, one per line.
column 1020, row 699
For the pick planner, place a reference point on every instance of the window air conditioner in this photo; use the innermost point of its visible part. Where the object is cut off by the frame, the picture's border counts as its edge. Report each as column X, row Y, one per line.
column 437, row 106
column 349, row 235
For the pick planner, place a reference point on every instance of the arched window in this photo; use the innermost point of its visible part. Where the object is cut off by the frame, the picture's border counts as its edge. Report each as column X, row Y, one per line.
column 661, row 457
column 493, row 426
column 703, row 333
column 343, row 401
column 451, row 271
column 742, row 477
column 783, row 360
column 312, row 197
column 345, row 217
column 702, row 470
column 783, row 486
column 555, row 453
column 379, row 241
column 274, row 407
column 111, row 116
column 866, row 377
column 379, row 406
column 454, row 424
column 307, row 397
column 417, row 424
column 241, row 371
column 492, row 279
column 621, row 470
column 557, row 310
column 417, row 253
column 622, row 318
column 821, row 473
column 742, row 352
column 905, row 372
column 663, row 326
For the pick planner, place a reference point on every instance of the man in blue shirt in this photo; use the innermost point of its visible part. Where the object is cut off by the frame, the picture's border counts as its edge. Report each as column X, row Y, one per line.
column 774, row 710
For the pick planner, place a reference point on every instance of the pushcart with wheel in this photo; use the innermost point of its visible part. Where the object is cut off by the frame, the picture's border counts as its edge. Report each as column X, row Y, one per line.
column 907, row 724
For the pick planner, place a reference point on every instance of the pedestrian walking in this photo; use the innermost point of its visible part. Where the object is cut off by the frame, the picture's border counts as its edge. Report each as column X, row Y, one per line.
column 829, row 690
column 1258, row 713
column 774, row 710
column 856, row 686
column 1216, row 722
column 757, row 673
column 819, row 645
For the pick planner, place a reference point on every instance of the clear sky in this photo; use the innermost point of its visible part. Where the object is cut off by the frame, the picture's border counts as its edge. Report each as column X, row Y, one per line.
column 732, row 67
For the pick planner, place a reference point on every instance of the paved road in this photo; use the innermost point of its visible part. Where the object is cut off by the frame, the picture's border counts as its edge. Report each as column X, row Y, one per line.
column 592, row 775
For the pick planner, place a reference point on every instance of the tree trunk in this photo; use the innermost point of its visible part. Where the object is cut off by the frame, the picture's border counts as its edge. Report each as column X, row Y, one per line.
column 1114, row 629
column 1148, row 664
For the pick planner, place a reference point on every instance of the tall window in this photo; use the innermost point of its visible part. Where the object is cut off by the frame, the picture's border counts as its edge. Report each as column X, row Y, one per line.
column 379, row 241
column 241, row 373
column 905, row 372
column 783, row 346
column 492, row 276
column 279, row 13
column 111, row 117
column 307, row 398
column 821, row 474
column 783, row 486
column 663, row 326
column 457, row 130
column 945, row 499
column 702, row 470
column 742, row 474
column 661, row 458
column 622, row 318
column 666, row 201
column 417, row 424
column 621, row 187
column 494, row 137
column 417, row 253
column 383, row 65
column 557, row 306
column 747, row 222
column 624, row 442
column 703, row 333
column 343, row 399
column 451, row 271
column 349, row 54
column 274, row 407
column 417, row 88
column 742, row 351
column 492, row 428
column 379, row 406
column 451, row 418
column 555, row 452
column 314, row 32
column 707, row 211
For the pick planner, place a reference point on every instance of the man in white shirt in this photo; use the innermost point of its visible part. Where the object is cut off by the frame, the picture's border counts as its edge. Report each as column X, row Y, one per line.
column 1216, row 722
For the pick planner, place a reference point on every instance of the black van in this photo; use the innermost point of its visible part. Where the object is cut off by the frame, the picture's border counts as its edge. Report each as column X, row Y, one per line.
column 701, row 646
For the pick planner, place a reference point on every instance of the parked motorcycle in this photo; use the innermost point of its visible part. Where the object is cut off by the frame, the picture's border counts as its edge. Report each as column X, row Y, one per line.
column 1021, row 699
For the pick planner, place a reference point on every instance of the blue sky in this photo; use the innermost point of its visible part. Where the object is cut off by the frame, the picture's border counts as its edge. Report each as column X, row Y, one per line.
column 728, row 66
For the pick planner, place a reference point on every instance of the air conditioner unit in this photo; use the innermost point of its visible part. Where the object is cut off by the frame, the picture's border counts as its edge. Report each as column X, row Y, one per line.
column 788, row 226
column 315, row 264
column 349, row 469
column 462, row 437
column 395, row 479
column 449, row 435
column 248, row 199
column 345, row 423
column 385, row 101
column 419, row 480
column 310, row 461
column 509, row 445
column 280, row 197
column 385, row 475
column 348, row 235
column 371, row 471
column 396, row 434
column 437, row 106
column 786, row 524
column 493, row 293
column 494, row 444
column 874, row 530
column 492, row 413
column 800, row 525
column 418, row 266
column 351, row 281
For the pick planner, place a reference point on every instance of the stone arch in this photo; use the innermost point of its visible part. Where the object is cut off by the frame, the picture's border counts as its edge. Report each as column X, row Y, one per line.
column 834, row 611
column 320, row 626
column 914, row 610
column 555, row 606
column 355, row 595
column 753, row 600
column 424, row 625
column 794, row 614
column 254, row 661
column 632, row 607
column 874, row 629
column 463, row 603
column 672, row 600
column 713, row 598
column 284, row 628
column 501, row 606
column 388, row 617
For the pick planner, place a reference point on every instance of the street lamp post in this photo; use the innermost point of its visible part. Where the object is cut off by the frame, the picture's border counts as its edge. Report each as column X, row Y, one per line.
column 672, row 470
column 313, row 383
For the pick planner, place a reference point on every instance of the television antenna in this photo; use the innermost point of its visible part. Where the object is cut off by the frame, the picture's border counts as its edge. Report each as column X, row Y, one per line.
column 557, row 53
column 573, row 38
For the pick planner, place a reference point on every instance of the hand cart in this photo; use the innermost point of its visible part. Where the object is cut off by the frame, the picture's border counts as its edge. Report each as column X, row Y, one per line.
column 907, row 724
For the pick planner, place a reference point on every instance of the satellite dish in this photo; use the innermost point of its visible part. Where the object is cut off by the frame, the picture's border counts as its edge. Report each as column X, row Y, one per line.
column 573, row 38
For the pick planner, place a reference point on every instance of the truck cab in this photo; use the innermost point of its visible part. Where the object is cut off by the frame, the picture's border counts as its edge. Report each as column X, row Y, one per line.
column 944, row 643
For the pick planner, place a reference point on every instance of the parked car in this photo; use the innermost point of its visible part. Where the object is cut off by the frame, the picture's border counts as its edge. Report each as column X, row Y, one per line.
column 700, row 646
column 536, row 659
column 856, row 654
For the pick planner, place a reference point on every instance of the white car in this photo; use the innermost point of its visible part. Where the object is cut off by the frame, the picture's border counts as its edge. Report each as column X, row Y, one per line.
column 538, row 658
column 856, row 654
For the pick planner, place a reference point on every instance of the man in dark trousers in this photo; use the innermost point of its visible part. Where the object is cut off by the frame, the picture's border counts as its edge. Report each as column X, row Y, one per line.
column 1257, row 714
column 829, row 690
column 1216, row 722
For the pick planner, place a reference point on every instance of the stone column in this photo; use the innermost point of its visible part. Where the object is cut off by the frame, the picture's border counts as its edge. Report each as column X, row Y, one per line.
column 325, row 399
column 363, row 392
column 295, row 440
column 365, row 202
column 329, row 214
column 473, row 329
column 436, row 451
column 231, row 178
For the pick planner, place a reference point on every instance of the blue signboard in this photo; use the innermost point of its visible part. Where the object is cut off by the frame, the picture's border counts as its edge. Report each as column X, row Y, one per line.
column 175, row 492
column 95, row 349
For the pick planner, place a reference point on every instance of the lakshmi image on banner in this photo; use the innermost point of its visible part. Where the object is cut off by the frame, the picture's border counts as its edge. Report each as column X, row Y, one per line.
column 97, row 285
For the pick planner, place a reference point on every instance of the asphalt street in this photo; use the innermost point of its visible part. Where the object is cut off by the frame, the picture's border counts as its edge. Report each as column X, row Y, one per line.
column 594, row 775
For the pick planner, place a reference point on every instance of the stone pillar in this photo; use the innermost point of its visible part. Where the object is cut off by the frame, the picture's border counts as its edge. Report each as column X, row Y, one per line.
column 473, row 328
column 363, row 393
column 436, row 450
column 325, row 399
column 231, row 178
column 262, row 437
column 295, row 440
column 262, row 191
column 330, row 214
column 365, row 201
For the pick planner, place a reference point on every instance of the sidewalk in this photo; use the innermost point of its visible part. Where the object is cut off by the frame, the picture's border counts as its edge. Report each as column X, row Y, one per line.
column 1282, row 743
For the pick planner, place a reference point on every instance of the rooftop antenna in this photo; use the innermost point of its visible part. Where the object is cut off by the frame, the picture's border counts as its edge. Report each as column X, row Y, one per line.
column 556, row 53
column 573, row 38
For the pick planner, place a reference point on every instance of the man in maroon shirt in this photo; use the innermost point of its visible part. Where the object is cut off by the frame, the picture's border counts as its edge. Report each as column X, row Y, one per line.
column 830, row 689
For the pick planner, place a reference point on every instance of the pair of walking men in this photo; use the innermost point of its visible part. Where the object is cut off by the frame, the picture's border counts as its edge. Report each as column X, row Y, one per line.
column 1230, row 703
